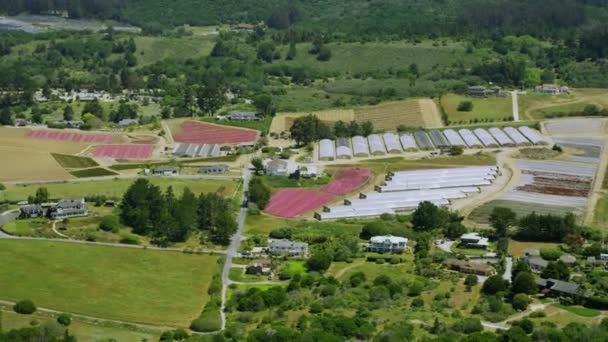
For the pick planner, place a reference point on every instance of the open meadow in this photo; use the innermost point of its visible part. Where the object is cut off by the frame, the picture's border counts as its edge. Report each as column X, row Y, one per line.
column 116, row 283
column 490, row 108
column 115, row 188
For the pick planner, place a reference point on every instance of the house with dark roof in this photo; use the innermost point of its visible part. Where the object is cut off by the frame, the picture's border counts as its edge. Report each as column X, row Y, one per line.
column 214, row 169
column 479, row 91
column 68, row 207
column 166, row 170
column 242, row 116
column 128, row 122
column 536, row 263
column 260, row 267
column 559, row 288
column 31, row 211
column 284, row 247
column 474, row 240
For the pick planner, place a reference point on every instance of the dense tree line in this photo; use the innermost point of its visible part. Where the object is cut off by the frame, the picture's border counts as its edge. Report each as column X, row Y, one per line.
column 547, row 228
column 167, row 218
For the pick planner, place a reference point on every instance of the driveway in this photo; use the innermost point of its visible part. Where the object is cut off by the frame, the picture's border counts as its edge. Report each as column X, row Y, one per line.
column 508, row 267
column 445, row 246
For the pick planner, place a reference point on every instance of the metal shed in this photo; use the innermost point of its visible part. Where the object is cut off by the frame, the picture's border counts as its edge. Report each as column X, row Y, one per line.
column 360, row 147
column 408, row 142
column 424, row 141
column 485, row 137
column 454, row 138
column 343, row 150
column 470, row 138
column 501, row 137
column 376, row 146
column 326, row 150
column 391, row 140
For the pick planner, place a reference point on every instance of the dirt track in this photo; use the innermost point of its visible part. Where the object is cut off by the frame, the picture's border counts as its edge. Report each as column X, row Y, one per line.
column 430, row 113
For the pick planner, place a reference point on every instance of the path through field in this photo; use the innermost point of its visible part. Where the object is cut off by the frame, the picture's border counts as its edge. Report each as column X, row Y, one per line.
column 515, row 106
column 430, row 113
column 597, row 191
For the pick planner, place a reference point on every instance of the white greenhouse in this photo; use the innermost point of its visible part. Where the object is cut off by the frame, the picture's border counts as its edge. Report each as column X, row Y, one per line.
column 470, row 138
column 516, row 136
column 454, row 138
column 360, row 148
column 501, row 137
column 392, row 143
column 485, row 137
column 376, row 146
column 326, row 150
column 408, row 142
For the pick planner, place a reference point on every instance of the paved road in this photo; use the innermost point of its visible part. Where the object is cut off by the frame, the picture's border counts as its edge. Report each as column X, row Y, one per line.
column 494, row 326
column 515, row 106
column 508, row 267
column 231, row 252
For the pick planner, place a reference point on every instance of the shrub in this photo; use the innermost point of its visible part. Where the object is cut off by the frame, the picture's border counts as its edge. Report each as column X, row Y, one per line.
column 109, row 223
column 129, row 240
column 25, row 307
column 417, row 302
column 520, row 301
column 180, row 334
column 465, row 106
column 64, row 319
column 538, row 314
column 550, row 254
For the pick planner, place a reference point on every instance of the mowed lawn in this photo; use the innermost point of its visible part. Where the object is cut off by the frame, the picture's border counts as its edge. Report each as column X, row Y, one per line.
column 116, row 187
column 126, row 284
column 494, row 108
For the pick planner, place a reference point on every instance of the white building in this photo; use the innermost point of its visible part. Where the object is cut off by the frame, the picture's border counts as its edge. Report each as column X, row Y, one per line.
column 387, row 244
column 280, row 167
column 288, row 248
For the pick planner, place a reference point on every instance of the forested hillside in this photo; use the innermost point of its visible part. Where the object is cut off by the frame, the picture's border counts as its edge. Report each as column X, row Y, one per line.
column 359, row 17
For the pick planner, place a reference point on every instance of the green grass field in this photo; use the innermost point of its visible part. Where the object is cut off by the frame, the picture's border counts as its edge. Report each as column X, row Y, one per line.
column 94, row 172
column 482, row 213
column 84, row 332
column 354, row 58
column 579, row 310
column 117, row 283
column 557, row 111
column 260, row 125
column 74, row 162
column 29, row 227
column 600, row 216
column 115, row 188
column 491, row 108
column 153, row 49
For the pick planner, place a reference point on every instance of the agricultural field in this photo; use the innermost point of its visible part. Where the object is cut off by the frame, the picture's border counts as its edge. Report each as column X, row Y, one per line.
column 85, row 279
column 115, row 188
column 482, row 213
column 386, row 116
column 74, row 162
column 575, row 126
column 490, row 108
column 517, row 248
column 543, row 106
column 294, row 202
column 264, row 224
column 347, row 180
column 71, row 136
column 196, row 132
column 31, row 159
column 123, row 151
column 93, row 172
column 259, row 125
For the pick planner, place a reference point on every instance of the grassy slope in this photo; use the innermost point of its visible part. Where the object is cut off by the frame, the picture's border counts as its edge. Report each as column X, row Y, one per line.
column 94, row 172
column 116, row 187
column 149, row 286
column 481, row 214
column 153, row 49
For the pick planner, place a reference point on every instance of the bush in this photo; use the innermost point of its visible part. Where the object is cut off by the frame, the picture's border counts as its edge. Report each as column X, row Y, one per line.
column 180, row 334
column 465, row 106
column 64, row 319
column 129, row 240
column 417, row 302
column 25, row 307
column 109, row 223
column 550, row 254
column 520, row 301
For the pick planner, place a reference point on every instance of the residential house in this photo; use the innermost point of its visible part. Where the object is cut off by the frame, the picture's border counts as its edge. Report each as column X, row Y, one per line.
column 31, row 211
column 280, row 167
column 68, row 207
column 536, row 263
column 559, row 288
column 552, row 89
column 387, row 244
column 214, row 169
column 242, row 116
column 604, row 257
column 469, row 267
column 479, row 91
column 166, row 170
column 260, row 267
column 531, row 252
column 286, row 247
column 20, row 123
column 474, row 240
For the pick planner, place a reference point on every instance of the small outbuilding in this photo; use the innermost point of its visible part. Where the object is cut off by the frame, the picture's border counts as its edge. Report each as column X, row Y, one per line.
column 166, row 170
column 214, row 169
